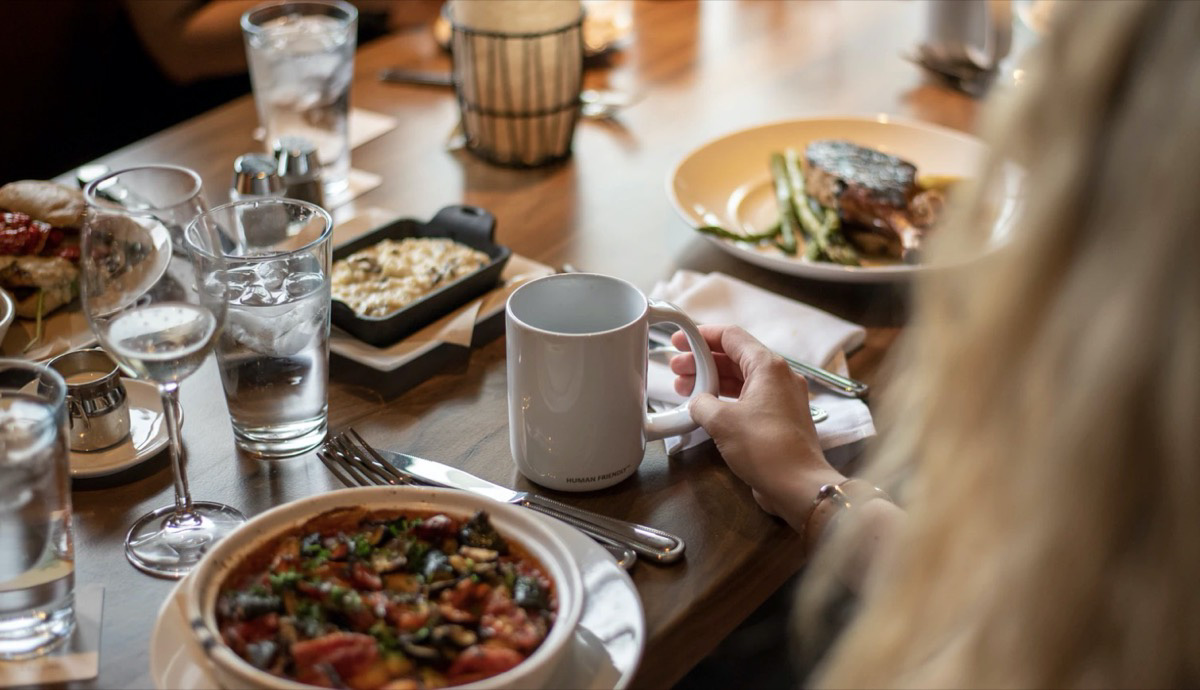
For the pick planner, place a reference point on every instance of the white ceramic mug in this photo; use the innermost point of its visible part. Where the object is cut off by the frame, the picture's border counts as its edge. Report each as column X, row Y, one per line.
column 577, row 356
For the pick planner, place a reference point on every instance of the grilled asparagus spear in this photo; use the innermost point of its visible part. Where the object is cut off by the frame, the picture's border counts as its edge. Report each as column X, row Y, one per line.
column 824, row 233
column 721, row 232
column 788, row 223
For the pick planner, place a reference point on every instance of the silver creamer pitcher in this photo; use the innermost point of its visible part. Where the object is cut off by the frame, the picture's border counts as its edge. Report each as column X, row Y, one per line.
column 96, row 400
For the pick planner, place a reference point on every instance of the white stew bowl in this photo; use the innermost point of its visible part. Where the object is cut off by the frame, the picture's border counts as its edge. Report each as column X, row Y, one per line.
column 515, row 524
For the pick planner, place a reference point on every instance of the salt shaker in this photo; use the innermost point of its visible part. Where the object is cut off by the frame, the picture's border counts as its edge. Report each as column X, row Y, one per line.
column 299, row 169
column 977, row 33
column 255, row 175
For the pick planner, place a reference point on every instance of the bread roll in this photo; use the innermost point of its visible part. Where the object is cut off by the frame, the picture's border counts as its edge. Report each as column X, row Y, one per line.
column 49, row 202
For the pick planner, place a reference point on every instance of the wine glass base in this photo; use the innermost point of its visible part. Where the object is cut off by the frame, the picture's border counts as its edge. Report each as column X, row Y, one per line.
column 165, row 545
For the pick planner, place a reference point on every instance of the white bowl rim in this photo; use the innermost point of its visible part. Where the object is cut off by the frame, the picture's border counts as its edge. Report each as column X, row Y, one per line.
column 568, row 583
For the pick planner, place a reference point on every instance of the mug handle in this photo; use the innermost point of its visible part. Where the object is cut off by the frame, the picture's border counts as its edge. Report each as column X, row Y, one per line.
column 678, row 420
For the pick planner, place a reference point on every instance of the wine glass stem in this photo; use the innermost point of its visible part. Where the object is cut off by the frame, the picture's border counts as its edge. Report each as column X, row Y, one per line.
column 170, row 401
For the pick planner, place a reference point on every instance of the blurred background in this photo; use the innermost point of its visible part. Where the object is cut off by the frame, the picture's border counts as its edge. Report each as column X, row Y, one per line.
column 87, row 77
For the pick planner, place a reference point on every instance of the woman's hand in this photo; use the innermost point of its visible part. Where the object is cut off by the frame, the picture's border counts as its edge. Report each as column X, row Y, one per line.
column 767, row 435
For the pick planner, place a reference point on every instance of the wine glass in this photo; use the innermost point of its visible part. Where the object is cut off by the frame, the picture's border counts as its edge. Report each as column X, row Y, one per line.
column 147, row 314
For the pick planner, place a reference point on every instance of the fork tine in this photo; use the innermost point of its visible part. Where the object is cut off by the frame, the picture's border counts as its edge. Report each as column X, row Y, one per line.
column 350, row 466
column 353, row 457
column 332, row 465
column 350, row 435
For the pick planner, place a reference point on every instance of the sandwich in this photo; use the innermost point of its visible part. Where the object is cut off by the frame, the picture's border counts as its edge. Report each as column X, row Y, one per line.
column 39, row 244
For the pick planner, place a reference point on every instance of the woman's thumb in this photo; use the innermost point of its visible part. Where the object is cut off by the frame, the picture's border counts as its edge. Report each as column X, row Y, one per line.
column 703, row 408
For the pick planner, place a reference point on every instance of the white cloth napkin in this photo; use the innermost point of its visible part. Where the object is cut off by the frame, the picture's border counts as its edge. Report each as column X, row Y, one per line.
column 788, row 327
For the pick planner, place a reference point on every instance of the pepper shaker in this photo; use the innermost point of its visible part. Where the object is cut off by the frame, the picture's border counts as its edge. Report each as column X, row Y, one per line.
column 255, row 175
column 299, row 169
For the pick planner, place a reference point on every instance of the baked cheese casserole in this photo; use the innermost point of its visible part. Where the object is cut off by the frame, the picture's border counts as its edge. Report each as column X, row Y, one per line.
column 389, row 275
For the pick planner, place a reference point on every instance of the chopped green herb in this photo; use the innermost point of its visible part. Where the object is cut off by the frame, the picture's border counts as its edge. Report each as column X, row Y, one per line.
column 383, row 634
column 307, row 609
column 317, row 560
column 283, row 580
column 361, row 546
column 416, row 555
column 398, row 527
column 311, row 546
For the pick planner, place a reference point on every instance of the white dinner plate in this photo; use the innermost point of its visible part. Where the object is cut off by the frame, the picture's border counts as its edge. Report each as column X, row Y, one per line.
column 604, row 655
column 147, row 435
column 727, row 182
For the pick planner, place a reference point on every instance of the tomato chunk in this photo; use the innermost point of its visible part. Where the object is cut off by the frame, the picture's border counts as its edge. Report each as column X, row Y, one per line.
column 346, row 652
column 481, row 661
column 364, row 578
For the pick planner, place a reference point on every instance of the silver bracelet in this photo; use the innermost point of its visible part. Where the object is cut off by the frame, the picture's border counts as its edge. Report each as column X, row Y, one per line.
column 837, row 494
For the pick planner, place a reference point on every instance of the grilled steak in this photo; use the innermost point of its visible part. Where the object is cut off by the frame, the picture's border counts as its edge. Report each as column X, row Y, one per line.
column 867, row 187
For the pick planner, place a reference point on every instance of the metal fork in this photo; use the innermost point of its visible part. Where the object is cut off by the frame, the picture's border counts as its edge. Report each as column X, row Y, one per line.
column 347, row 464
column 352, row 460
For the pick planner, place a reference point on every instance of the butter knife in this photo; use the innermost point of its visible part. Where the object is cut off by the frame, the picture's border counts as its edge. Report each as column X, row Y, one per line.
column 650, row 543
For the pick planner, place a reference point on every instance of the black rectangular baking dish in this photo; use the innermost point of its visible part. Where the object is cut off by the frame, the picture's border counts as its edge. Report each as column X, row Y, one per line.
column 470, row 225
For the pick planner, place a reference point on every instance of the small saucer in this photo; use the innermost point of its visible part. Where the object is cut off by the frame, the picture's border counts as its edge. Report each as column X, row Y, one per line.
column 147, row 436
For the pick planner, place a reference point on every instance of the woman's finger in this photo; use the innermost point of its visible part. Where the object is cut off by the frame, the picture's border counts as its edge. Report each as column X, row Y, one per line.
column 712, row 335
column 727, row 387
column 744, row 349
column 685, row 365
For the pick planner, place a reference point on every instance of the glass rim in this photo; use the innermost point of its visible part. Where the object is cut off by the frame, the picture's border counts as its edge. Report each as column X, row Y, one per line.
column 194, row 225
column 94, row 201
column 38, row 370
column 249, row 27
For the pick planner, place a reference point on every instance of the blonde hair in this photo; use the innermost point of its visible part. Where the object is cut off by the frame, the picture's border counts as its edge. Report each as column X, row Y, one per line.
column 1044, row 432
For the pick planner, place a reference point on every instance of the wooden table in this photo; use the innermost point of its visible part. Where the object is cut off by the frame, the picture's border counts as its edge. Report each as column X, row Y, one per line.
column 705, row 70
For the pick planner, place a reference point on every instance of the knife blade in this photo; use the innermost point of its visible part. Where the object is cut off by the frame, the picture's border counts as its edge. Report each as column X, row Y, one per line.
column 654, row 544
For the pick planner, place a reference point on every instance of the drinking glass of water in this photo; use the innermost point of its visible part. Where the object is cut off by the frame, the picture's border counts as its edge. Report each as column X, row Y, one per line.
column 37, row 565
column 148, row 314
column 301, row 57
column 274, row 353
